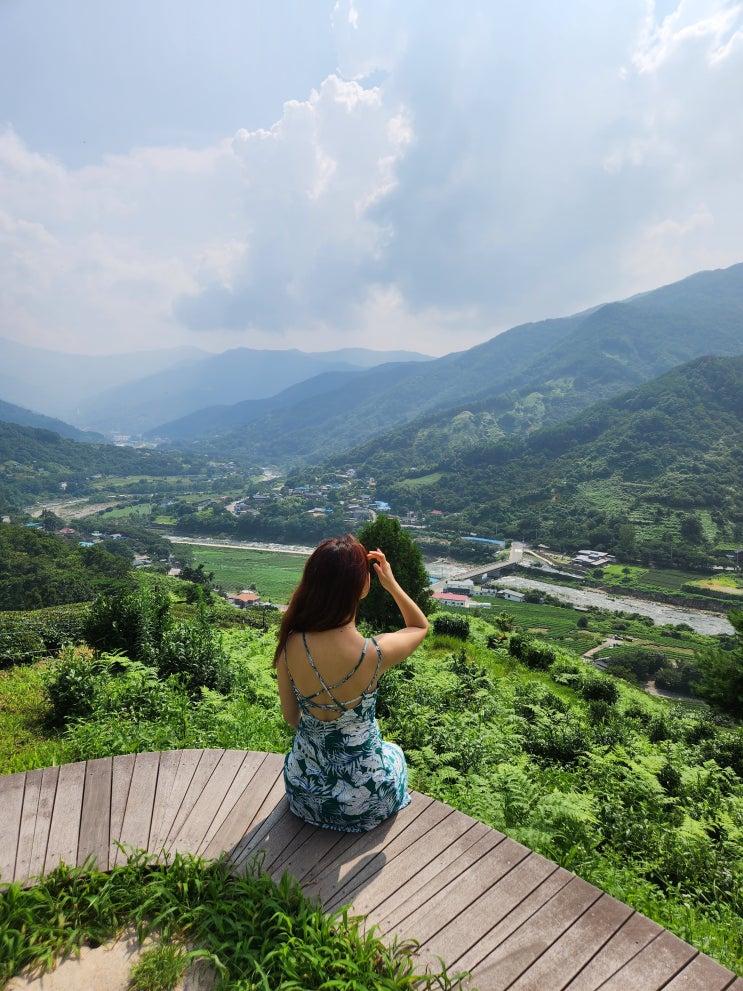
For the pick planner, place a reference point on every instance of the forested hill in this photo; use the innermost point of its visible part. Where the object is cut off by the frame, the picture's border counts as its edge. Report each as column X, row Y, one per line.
column 37, row 462
column 657, row 470
column 527, row 377
column 9, row 413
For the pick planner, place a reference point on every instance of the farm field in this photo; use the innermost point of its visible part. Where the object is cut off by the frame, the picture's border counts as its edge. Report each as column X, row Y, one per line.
column 559, row 625
column 273, row 573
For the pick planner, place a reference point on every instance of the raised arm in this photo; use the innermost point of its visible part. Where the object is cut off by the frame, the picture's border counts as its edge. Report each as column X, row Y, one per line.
column 399, row 645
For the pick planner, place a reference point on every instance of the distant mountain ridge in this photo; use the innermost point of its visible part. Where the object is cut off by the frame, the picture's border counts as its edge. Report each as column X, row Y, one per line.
column 54, row 383
column 130, row 394
column 9, row 413
column 525, row 378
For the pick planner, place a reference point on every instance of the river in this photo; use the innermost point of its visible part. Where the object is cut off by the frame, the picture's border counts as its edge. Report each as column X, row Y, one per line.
column 711, row 624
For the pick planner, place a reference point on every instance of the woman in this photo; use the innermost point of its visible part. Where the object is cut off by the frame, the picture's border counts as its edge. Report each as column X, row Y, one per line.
column 340, row 773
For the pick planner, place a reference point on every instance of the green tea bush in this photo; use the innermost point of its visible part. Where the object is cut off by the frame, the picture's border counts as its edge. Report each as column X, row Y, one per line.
column 193, row 652
column 25, row 636
column 533, row 653
column 595, row 688
column 451, row 626
column 73, row 684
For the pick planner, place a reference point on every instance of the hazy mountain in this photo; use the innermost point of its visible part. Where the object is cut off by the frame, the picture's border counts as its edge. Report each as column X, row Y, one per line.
column 9, row 413
column 55, row 383
column 527, row 377
column 224, row 379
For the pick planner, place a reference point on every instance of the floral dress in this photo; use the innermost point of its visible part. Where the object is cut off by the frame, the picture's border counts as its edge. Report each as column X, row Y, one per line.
column 340, row 774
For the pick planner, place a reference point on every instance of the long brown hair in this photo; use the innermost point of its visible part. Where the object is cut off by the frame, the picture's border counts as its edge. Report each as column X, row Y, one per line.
column 329, row 591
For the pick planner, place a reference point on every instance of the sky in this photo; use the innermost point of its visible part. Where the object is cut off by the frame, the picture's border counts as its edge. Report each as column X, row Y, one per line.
column 388, row 174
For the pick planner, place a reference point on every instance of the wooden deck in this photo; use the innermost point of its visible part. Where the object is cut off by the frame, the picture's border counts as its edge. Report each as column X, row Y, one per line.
column 467, row 893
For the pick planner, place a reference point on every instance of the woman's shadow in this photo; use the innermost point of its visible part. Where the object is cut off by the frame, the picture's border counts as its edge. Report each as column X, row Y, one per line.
column 332, row 867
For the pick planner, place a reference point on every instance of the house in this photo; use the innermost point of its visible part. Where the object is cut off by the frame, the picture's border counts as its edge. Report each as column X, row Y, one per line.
column 512, row 595
column 462, row 586
column 451, row 599
column 593, row 559
column 246, row 600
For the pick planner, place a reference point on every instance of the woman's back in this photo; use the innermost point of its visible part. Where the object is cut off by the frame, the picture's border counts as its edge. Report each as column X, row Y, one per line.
column 332, row 670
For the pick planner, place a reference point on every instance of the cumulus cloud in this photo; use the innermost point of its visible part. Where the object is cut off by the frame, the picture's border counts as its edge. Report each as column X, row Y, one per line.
column 307, row 186
column 463, row 169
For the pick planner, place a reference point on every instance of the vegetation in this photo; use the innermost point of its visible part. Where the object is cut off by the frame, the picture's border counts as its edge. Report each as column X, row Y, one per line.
column 250, row 931
column 651, row 476
column 639, row 796
column 273, row 573
column 378, row 609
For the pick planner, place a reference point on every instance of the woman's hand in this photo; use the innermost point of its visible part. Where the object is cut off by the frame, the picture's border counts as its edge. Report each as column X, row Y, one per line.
column 383, row 569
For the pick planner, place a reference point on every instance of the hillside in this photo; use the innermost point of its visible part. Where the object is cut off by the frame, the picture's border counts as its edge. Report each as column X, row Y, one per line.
column 527, row 377
column 39, row 463
column 10, row 413
column 655, row 472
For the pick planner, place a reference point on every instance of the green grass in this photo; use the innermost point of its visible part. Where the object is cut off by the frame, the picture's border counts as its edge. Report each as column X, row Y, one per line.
column 25, row 738
column 252, row 932
column 275, row 575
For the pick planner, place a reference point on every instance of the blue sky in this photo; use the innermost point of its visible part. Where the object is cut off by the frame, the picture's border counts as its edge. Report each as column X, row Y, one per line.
column 379, row 173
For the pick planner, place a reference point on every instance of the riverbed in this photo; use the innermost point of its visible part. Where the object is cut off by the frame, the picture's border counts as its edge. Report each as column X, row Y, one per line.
column 711, row 624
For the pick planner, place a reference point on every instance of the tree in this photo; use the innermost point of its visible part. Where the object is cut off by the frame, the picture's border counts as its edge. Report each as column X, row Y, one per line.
column 378, row 608
column 721, row 673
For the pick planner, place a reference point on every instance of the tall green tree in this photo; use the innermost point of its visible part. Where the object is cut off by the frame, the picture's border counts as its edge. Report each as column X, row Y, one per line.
column 722, row 673
column 378, row 608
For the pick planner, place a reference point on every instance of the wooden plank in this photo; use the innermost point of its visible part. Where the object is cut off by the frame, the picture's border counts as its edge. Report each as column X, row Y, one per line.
column 519, row 951
column 435, row 838
column 64, row 830
column 562, row 961
column 121, row 781
column 194, row 828
column 244, row 813
column 31, row 795
column 135, row 830
column 309, row 847
column 208, row 760
column 251, row 762
column 701, row 974
column 95, row 819
column 625, row 944
column 256, row 838
column 12, row 787
column 411, row 916
column 414, row 886
column 340, row 876
column 164, row 812
column 504, row 907
column 653, row 966
column 49, row 778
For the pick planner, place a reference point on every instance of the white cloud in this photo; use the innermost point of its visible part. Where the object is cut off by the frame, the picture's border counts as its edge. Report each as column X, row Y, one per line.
column 464, row 169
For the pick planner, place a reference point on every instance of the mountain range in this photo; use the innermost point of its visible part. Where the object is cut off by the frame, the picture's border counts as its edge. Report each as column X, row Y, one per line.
column 290, row 408
column 527, row 377
column 657, row 465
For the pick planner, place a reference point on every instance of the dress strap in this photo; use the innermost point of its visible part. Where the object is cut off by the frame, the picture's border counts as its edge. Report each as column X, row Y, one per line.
column 336, row 705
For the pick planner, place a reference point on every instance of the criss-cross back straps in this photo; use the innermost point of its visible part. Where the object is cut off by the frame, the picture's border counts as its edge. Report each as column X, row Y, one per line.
column 335, row 705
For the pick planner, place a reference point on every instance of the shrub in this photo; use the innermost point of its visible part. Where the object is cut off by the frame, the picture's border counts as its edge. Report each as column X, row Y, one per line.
column 533, row 653
column 73, row 683
column 451, row 626
column 596, row 689
column 133, row 623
